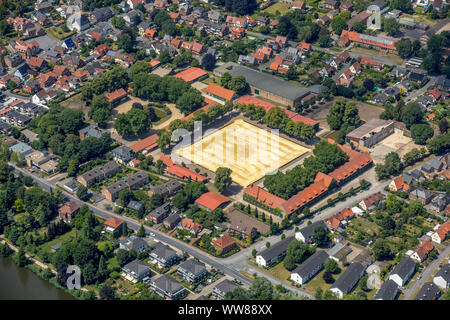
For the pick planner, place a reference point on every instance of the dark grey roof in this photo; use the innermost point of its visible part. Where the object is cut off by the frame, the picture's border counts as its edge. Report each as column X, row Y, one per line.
column 91, row 131
column 415, row 76
column 123, row 152
column 276, row 249
column 308, row 231
column 172, row 218
column 136, row 266
column 161, row 210
column 317, row 259
column 226, row 286
column 429, row 291
column 387, row 291
column 403, row 268
column 168, row 284
column 193, row 266
column 346, row 281
column 170, row 186
column 422, row 193
column 5, row 126
column 267, row 82
column 134, row 242
column 444, row 273
column 135, row 205
column 163, row 251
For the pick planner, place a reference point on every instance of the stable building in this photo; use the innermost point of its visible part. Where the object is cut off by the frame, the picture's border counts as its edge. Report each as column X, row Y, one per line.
column 265, row 85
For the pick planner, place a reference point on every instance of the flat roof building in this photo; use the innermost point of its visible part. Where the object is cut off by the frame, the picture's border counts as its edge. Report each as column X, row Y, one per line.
column 371, row 132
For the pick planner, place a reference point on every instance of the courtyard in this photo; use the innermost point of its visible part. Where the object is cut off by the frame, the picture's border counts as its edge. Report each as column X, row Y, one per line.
column 250, row 152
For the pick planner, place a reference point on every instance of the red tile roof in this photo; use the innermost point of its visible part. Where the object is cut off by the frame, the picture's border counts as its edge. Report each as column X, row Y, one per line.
column 185, row 173
column 166, row 160
column 189, row 224
column 113, row 96
column 444, row 229
column 191, row 74
column 69, row 208
column 211, row 200
column 154, row 62
column 223, row 242
column 400, row 184
column 113, row 223
column 435, row 93
column 263, row 196
column 370, row 40
column 424, row 249
column 335, row 220
column 219, row 91
column 366, row 60
column 145, row 144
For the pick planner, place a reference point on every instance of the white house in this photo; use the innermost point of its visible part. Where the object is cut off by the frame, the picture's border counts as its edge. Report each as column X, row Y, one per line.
column 439, row 235
column 307, row 270
column 305, row 234
column 403, row 271
column 347, row 281
column 442, row 278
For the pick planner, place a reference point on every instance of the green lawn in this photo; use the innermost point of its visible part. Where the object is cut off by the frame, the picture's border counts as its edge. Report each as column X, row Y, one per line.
column 318, row 282
column 65, row 237
column 282, row 7
column 58, row 33
column 279, row 272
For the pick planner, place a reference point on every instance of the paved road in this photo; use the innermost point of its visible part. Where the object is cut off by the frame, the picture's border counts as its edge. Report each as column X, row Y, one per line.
column 417, row 93
column 214, row 262
column 426, row 274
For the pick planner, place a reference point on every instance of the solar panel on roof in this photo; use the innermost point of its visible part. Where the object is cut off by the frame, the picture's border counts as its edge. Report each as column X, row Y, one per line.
column 375, row 39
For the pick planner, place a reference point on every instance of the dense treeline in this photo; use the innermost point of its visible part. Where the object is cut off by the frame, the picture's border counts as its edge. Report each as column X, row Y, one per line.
column 58, row 131
column 112, row 80
column 298, row 26
column 326, row 158
column 277, row 118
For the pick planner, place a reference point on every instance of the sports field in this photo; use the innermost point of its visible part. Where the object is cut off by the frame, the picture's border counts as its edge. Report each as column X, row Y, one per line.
column 250, row 152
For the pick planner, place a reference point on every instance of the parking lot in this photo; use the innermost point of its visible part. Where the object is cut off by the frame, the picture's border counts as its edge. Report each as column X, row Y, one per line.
column 46, row 42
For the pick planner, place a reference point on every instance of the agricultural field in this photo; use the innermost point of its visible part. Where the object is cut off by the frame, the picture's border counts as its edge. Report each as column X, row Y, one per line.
column 256, row 152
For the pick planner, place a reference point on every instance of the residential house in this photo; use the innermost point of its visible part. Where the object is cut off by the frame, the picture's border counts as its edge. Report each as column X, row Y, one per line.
column 123, row 154
column 78, row 22
column 308, row 269
column 90, row 131
column 332, row 4
column 347, row 281
column 214, row 16
column 274, row 253
column 101, row 14
column 305, row 234
column 388, row 291
column 429, row 291
column 369, row 204
column 99, row 173
column 222, row 288
column 167, row 287
column 425, row 196
column 160, row 213
column 136, row 271
column 398, row 185
column 438, row 204
column 441, row 233
column 442, row 277
column 133, row 243
column 13, row 60
column 422, row 251
column 244, row 228
column 192, row 271
column 169, row 188
column 113, row 225
column 190, row 226
column 171, row 221
column 163, row 255
column 132, row 182
column 403, row 271
column 224, row 243
column 68, row 211
column 340, row 218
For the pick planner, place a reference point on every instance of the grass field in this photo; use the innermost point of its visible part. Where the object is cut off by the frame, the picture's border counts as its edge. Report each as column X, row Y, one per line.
column 58, row 33
column 250, row 152
column 282, row 7
column 65, row 237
